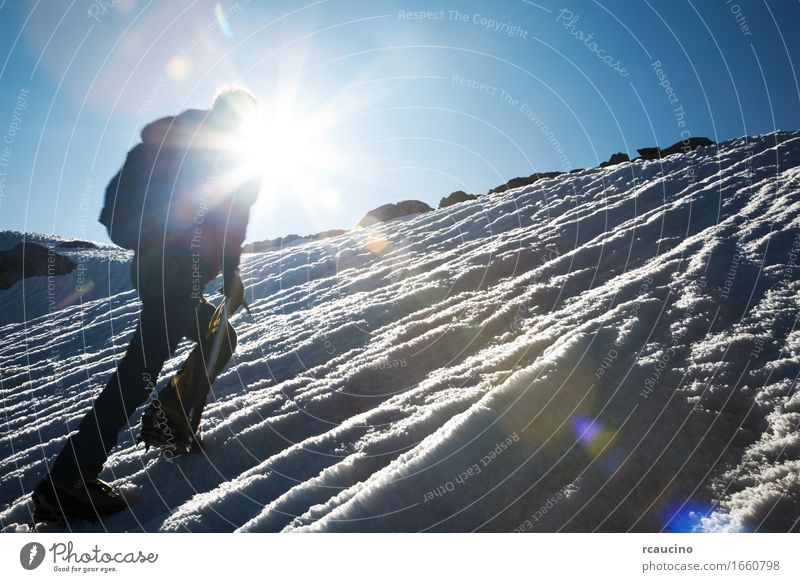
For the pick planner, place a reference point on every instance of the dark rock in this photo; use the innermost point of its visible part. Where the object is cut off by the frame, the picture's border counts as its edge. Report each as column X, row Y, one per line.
column 329, row 233
column 392, row 211
column 259, row 246
column 519, row 182
column 289, row 239
column 276, row 243
column 687, row 145
column 31, row 260
column 77, row 244
column 615, row 159
column 455, row 198
column 681, row 147
column 649, row 153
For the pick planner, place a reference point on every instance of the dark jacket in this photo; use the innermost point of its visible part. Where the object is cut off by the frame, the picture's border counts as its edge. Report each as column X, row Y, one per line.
column 210, row 196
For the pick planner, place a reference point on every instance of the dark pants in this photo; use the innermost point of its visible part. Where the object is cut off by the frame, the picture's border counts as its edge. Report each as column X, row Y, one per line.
column 172, row 308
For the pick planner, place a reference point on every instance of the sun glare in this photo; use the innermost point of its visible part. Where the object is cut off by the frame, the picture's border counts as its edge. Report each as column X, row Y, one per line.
column 288, row 152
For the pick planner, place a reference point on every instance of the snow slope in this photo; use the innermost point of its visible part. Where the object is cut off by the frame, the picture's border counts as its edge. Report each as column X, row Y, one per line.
column 615, row 349
column 36, row 296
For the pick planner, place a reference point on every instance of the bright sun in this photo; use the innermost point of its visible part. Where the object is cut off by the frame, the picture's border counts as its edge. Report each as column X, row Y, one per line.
column 289, row 153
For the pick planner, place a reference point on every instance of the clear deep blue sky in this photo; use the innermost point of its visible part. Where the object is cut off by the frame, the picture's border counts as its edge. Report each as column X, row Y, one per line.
column 400, row 107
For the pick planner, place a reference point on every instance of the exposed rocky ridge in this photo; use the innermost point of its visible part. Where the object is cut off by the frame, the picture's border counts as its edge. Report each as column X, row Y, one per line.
column 282, row 241
column 392, row 211
column 29, row 259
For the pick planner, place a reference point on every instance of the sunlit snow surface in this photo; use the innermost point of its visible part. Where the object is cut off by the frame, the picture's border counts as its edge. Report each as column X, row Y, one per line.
column 614, row 349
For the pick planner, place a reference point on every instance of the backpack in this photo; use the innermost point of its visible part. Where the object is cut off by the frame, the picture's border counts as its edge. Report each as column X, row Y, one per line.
column 136, row 204
column 157, row 180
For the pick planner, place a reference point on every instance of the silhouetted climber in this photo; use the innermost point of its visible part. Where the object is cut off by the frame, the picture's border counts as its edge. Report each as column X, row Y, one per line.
column 182, row 202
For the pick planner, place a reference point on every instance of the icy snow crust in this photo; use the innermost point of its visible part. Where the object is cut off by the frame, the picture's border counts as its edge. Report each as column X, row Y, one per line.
column 615, row 349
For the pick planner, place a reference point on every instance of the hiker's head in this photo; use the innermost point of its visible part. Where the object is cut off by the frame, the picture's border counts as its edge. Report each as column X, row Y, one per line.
column 234, row 105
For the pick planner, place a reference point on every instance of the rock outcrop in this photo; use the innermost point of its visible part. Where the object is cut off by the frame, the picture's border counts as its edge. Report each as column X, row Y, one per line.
column 521, row 181
column 77, row 244
column 262, row 246
column 455, row 198
column 392, row 211
column 31, row 260
column 615, row 159
column 681, row 147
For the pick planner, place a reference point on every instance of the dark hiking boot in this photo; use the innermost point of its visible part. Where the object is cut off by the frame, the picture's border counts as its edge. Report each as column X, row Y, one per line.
column 167, row 429
column 64, row 500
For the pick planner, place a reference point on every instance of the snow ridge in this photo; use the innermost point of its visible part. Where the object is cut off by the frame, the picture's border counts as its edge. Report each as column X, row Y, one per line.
column 615, row 349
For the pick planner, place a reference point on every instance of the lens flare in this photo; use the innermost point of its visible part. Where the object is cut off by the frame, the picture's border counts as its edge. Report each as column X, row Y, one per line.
column 289, row 152
column 586, row 429
column 591, row 434
column 328, row 197
column 683, row 517
column 377, row 243
column 76, row 295
column 222, row 20
column 178, row 67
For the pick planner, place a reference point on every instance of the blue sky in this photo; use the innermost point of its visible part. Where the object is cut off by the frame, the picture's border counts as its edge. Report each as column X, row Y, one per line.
column 389, row 103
